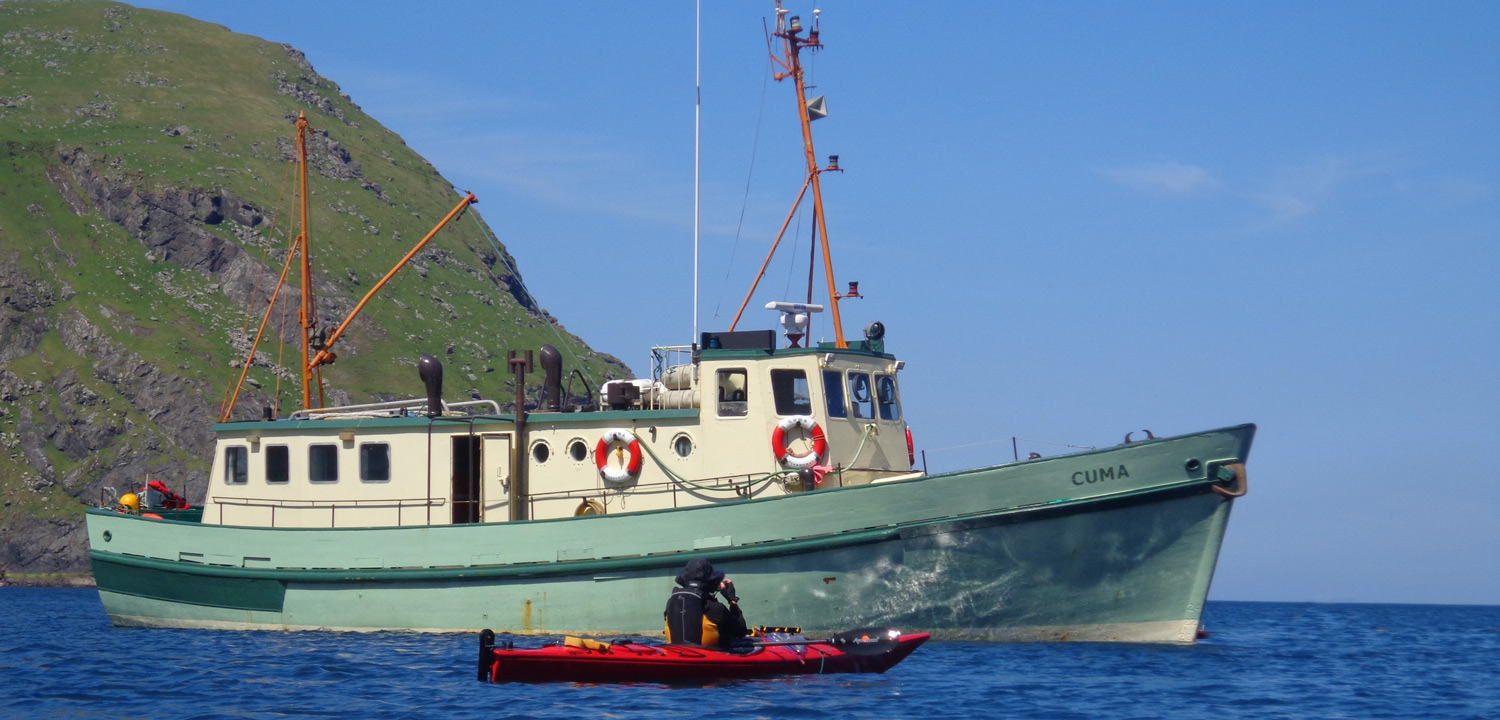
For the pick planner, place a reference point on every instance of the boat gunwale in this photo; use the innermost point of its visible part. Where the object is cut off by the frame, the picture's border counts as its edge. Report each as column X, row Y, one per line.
column 668, row 559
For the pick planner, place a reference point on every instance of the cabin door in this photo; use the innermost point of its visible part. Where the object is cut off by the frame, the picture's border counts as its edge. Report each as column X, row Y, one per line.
column 495, row 460
column 466, row 468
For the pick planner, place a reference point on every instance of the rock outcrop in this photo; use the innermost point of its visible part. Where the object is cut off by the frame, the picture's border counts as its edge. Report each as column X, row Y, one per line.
column 140, row 242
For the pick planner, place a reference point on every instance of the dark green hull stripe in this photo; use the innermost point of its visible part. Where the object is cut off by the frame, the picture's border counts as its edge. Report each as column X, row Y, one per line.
column 279, row 576
column 161, row 580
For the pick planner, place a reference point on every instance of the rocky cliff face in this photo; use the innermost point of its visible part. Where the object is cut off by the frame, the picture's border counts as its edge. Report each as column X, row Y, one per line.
column 142, row 228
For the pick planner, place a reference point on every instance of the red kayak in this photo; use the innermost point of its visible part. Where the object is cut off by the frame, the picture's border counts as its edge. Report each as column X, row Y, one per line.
column 578, row 660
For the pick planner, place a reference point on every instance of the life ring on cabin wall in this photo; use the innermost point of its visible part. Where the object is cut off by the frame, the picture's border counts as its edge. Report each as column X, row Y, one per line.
column 632, row 468
column 819, row 442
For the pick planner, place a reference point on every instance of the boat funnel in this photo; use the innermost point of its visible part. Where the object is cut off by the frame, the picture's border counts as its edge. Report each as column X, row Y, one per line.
column 431, row 371
column 551, row 379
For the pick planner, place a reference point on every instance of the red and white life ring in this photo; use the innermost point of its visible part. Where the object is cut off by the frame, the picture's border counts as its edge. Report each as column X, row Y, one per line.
column 819, row 442
column 631, row 469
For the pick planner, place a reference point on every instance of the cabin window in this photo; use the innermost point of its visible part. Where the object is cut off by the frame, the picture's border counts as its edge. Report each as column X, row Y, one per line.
column 860, row 400
column 278, row 464
column 789, row 387
column 732, row 393
column 375, row 462
column 323, row 463
column 833, row 391
column 540, row 451
column 236, row 465
column 885, row 397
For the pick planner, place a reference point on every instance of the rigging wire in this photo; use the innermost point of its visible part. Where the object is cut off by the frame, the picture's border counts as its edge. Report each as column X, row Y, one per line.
column 500, row 253
column 230, row 390
column 792, row 262
column 745, row 203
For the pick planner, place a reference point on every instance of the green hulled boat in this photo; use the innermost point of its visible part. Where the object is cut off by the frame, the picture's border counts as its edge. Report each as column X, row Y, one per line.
column 790, row 467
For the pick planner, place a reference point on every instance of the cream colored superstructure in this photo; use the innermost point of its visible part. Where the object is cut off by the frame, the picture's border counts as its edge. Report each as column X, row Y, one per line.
column 325, row 469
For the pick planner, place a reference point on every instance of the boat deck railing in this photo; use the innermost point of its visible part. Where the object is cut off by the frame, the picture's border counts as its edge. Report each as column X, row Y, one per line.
column 389, row 408
column 665, row 356
column 716, row 489
column 742, row 486
column 333, row 506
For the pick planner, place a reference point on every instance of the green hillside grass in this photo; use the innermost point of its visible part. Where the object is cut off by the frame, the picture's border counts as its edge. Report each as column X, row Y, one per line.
column 116, row 91
column 163, row 103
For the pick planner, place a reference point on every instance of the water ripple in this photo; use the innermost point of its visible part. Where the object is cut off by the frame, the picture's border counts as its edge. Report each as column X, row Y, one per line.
column 60, row 658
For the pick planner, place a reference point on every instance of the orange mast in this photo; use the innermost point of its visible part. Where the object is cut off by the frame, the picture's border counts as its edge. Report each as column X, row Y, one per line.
column 321, row 342
column 325, row 356
column 306, row 314
column 789, row 30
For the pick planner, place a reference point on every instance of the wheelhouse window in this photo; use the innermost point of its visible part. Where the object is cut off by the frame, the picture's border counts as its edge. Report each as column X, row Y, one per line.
column 323, row 463
column 885, row 397
column 789, row 388
column 860, row 400
column 833, row 392
column 278, row 464
column 236, row 465
column 375, row 462
column 733, row 388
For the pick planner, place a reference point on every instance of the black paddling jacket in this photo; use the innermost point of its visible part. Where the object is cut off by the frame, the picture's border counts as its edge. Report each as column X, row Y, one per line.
column 694, row 616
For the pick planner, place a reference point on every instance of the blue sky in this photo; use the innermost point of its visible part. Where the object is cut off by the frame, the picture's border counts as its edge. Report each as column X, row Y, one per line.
column 1075, row 219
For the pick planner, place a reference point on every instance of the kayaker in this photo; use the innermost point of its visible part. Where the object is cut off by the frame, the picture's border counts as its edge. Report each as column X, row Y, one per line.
column 695, row 617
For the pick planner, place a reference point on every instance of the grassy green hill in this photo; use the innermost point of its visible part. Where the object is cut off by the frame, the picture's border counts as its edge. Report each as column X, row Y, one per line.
column 145, row 199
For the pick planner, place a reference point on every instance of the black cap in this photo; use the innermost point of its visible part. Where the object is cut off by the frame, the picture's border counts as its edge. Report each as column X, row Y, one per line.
column 700, row 573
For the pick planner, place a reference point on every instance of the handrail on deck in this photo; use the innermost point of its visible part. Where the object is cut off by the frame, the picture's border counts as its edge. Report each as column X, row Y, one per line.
column 415, row 405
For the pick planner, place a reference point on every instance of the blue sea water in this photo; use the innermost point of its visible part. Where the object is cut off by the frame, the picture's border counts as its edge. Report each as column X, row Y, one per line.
column 60, row 658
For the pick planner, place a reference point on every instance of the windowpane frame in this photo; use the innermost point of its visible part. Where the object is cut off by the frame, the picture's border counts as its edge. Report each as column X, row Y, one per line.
column 323, row 463
column 833, row 394
column 734, row 393
column 236, row 465
column 887, row 398
column 791, row 391
column 861, row 397
column 375, row 462
column 278, row 464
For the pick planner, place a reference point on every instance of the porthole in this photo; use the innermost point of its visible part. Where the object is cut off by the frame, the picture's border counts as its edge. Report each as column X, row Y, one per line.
column 578, row 450
column 540, row 452
column 682, row 445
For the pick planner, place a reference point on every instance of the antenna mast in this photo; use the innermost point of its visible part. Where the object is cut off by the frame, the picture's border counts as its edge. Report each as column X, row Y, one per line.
column 697, row 137
column 789, row 29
